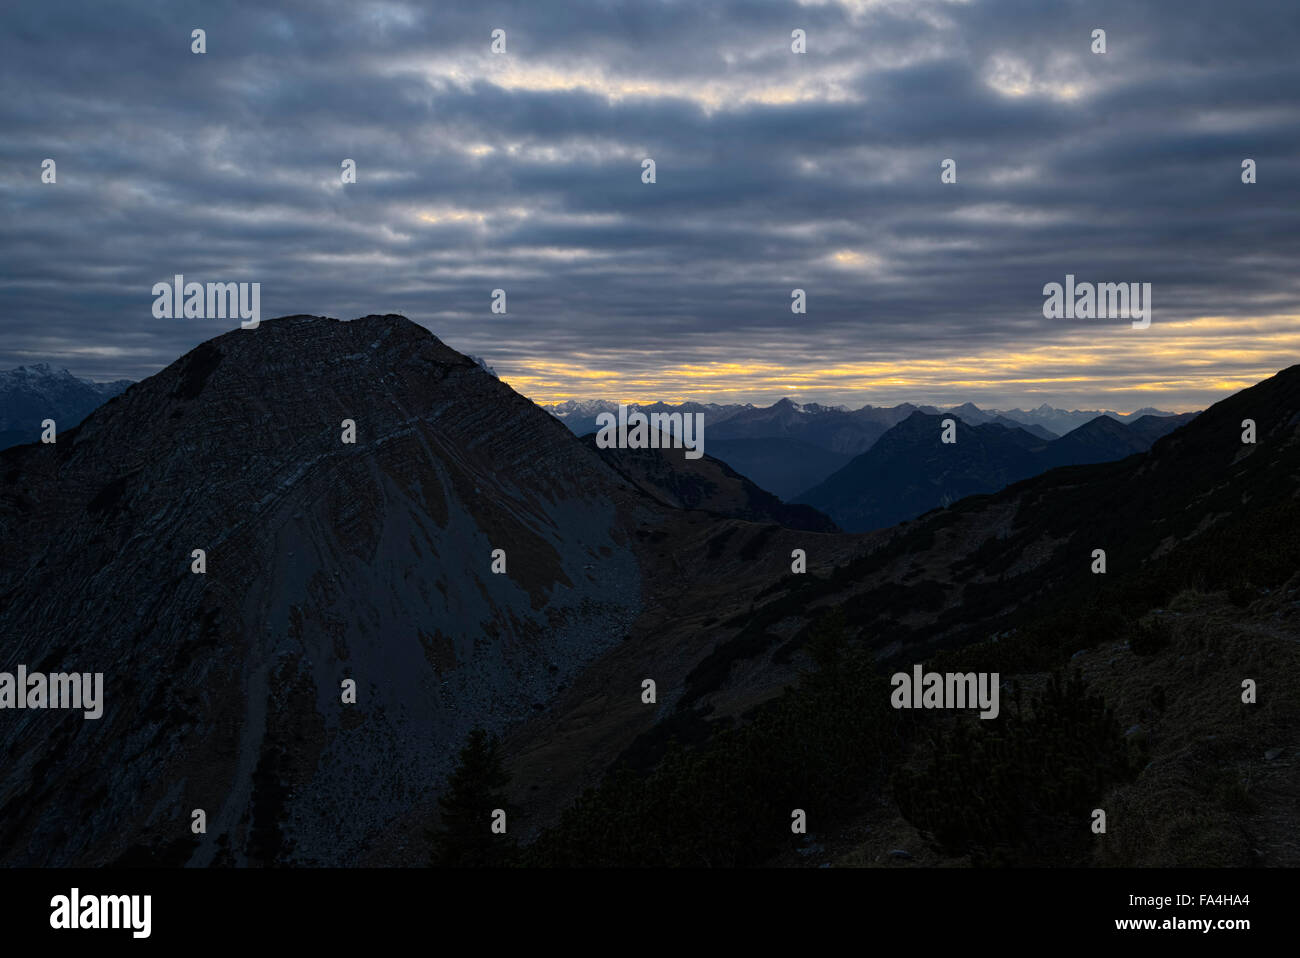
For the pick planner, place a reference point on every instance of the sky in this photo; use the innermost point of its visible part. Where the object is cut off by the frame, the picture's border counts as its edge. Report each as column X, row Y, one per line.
column 774, row 170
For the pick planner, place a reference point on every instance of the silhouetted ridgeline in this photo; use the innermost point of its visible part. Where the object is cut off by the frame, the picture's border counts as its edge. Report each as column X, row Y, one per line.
column 467, row 562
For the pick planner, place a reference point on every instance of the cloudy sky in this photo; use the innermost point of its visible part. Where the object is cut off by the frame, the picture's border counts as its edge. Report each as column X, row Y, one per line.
column 775, row 170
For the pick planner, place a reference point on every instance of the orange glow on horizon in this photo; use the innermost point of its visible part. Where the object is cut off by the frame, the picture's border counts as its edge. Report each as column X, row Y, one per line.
column 1211, row 356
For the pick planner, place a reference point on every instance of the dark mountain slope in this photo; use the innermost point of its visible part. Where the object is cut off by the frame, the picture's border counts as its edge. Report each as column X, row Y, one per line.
column 1151, row 428
column 910, row 471
column 325, row 561
column 1002, row 583
column 707, row 484
column 1099, row 440
column 784, row 467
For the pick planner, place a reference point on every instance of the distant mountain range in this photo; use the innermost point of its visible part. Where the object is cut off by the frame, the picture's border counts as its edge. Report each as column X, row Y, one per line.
column 789, row 448
column 1059, row 421
column 31, row 394
column 580, row 415
column 808, row 421
column 910, row 471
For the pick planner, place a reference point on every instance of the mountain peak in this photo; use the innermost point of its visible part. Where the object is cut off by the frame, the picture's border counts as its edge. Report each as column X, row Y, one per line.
column 363, row 469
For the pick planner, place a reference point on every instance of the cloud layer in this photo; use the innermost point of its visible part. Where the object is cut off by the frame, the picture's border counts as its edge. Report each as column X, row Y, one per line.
column 522, row 171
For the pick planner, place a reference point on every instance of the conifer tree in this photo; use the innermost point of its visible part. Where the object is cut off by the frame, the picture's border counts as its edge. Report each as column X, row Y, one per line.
column 475, row 788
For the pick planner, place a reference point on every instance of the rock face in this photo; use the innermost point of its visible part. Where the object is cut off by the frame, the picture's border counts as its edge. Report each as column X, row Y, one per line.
column 30, row 394
column 325, row 561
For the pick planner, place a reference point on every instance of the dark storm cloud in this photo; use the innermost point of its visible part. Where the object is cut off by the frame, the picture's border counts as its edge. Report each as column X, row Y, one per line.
column 775, row 171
